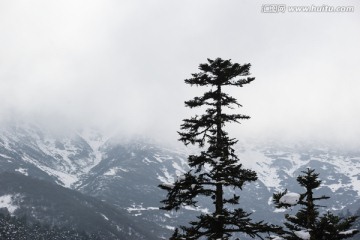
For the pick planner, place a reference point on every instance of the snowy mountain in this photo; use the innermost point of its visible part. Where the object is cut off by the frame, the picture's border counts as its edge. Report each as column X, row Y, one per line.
column 125, row 173
column 52, row 205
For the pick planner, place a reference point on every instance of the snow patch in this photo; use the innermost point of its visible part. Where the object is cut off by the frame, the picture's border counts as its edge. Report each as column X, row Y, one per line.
column 4, row 156
column 110, row 172
column 7, row 201
column 257, row 161
column 336, row 186
column 140, row 208
column 95, row 141
column 290, row 198
column 272, row 237
column 22, row 171
column 114, row 171
column 147, row 161
column 106, row 218
column 170, row 227
column 66, row 179
column 348, row 232
column 279, row 210
column 197, row 209
column 179, row 170
column 305, row 235
column 157, row 157
column 167, row 178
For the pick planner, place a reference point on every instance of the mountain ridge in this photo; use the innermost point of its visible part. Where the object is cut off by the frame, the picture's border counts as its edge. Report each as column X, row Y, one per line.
column 125, row 173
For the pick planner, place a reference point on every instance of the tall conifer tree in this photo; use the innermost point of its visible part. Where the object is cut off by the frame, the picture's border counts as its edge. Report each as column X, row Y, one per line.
column 217, row 167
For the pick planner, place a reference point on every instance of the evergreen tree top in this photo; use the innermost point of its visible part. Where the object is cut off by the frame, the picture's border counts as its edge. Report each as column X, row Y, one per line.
column 216, row 73
column 221, row 72
column 310, row 179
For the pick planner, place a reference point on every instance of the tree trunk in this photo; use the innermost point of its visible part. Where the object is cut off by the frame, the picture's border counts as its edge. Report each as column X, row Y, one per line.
column 310, row 213
column 219, row 205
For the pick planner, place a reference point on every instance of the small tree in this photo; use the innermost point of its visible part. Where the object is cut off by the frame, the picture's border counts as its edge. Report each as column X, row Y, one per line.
column 307, row 224
column 332, row 227
column 223, row 169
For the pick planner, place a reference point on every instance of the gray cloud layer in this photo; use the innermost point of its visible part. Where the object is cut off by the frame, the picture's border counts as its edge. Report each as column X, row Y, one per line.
column 121, row 64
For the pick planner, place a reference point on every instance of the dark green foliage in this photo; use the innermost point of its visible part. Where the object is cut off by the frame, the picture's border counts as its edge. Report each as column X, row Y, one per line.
column 223, row 169
column 332, row 227
column 12, row 228
column 326, row 227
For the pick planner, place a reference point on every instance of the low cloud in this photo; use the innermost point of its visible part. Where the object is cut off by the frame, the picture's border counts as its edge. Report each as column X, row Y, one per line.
column 120, row 66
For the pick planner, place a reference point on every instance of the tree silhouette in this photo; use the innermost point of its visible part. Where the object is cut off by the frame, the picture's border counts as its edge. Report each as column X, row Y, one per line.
column 307, row 224
column 217, row 167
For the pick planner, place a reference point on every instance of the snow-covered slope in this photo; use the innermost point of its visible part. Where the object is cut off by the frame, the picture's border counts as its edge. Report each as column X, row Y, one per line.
column 278, row 166
column 126, row 173
column 64, row 158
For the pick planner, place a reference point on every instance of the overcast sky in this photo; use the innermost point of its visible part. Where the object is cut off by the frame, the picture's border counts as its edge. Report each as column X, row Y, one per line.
column 121, row 64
